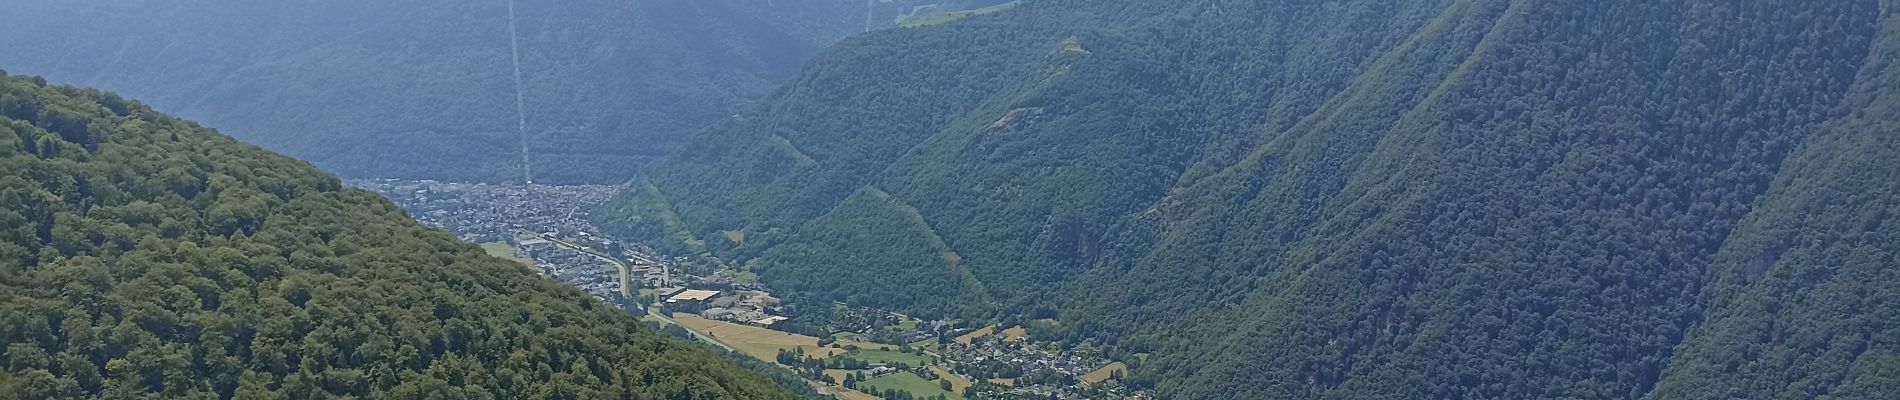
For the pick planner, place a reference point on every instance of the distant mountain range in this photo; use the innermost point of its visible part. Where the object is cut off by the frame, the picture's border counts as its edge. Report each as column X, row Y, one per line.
column 426, row 88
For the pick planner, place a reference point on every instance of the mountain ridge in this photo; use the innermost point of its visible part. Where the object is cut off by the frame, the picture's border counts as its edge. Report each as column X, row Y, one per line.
column 425, row 89
column 144, row 256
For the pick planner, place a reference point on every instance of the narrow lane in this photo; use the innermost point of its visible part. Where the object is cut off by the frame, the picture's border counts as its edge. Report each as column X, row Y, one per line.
column 626, row 271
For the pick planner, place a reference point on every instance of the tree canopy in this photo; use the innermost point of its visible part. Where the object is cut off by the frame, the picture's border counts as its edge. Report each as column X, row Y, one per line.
column 144, row 256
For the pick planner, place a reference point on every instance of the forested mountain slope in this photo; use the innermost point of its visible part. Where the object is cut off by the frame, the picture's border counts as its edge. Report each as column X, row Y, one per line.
column 1804, row 299
column 143, row 256
column 1348, row 199
column 426, row 88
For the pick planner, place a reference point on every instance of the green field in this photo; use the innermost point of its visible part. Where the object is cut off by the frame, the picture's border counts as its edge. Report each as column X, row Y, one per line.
column 908, row 324
column 955, row 15
column 888, row 357
column 504, row 250
column 909, row 382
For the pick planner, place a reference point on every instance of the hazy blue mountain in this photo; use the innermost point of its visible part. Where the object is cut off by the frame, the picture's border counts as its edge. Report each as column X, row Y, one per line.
column 425, row 88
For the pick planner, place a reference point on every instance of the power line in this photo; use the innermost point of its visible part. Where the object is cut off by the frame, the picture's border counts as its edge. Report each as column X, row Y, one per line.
column 521, row 109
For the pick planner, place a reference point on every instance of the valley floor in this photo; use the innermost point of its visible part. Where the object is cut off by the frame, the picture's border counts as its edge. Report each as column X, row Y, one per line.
column 545, row 227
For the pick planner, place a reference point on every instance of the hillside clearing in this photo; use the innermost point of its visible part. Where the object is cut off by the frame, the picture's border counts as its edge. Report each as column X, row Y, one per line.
column 1105, row 372
column 976, row 334
column 504, row 250
column 957, row 383
column 1015, row 333
column 956, row 15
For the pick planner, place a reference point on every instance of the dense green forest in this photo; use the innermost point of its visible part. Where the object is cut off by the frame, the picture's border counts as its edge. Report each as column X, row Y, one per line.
column 425, row 88
column 146, row 257
column 1483, row 199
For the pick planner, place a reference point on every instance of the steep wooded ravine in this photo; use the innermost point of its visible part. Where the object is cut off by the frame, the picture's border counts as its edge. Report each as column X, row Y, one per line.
column 1347, row 199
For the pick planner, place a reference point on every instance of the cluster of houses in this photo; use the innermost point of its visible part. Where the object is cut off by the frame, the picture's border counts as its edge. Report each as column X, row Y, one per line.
column 646, row 270
column 1018, row 355
column 573, row 267
column 483, row 212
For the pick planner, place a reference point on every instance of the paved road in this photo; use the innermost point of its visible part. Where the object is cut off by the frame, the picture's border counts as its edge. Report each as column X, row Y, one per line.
column 626, row 281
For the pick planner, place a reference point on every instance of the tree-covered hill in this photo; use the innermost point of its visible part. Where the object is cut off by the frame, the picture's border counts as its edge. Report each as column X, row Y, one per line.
column 426, row 88
column 143, row 256
column 1487, row 199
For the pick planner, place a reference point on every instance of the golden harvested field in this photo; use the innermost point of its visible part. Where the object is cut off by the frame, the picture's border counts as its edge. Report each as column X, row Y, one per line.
column 1015, row 333
column 837, row 374
column 757, row 342
column 976, row 334
column 841, row 391
column 1102, row 374
column 848, row 394
column 957, row 383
